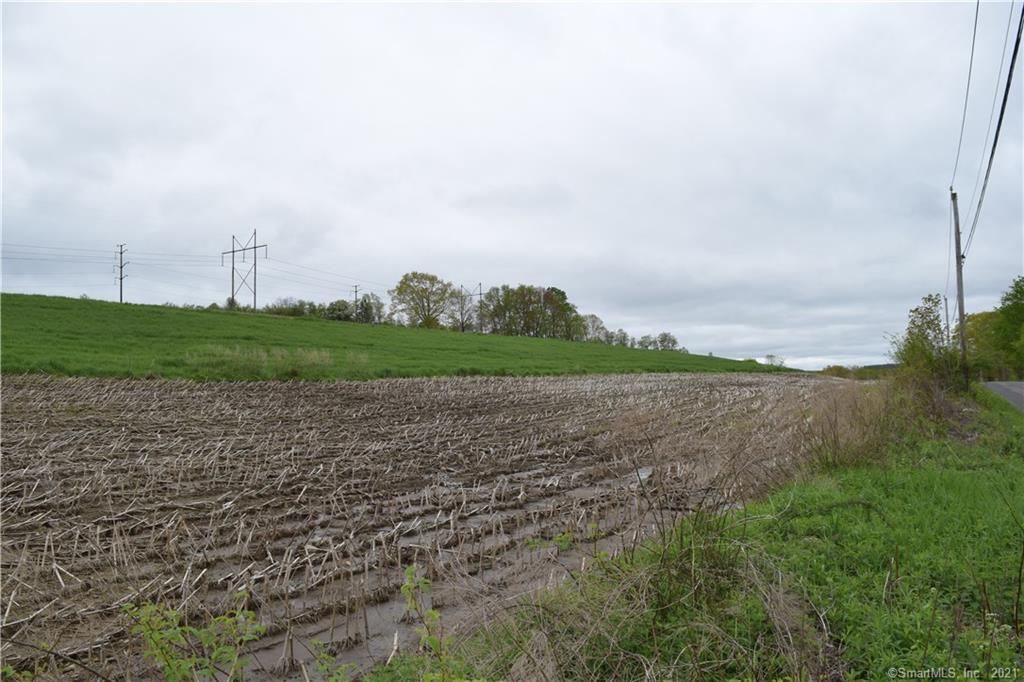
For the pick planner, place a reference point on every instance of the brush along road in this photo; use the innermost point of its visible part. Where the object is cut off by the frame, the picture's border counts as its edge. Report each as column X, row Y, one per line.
column 306, row 500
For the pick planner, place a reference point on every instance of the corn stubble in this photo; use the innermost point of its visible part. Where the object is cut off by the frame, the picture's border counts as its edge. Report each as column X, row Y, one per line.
column 307, row 500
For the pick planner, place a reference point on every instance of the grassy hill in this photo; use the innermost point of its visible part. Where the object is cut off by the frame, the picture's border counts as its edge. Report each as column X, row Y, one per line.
column 95, row 338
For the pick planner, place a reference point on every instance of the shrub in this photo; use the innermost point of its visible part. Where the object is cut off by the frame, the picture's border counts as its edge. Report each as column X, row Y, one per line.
column 184, row 652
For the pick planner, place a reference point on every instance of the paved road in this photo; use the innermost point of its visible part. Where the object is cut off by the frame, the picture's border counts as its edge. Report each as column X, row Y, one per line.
column 1011, row 390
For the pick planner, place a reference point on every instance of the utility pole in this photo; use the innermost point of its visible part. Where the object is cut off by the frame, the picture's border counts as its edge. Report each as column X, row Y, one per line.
column 120, row 272
column 960, row 288
column 355, row 298
column 238, row 247
column 480, row 307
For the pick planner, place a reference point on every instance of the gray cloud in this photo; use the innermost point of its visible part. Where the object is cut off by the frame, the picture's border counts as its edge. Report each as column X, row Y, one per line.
column 755, row 178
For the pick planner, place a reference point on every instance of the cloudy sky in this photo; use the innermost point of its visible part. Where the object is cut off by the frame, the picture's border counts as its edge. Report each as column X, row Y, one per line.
column 767, row 178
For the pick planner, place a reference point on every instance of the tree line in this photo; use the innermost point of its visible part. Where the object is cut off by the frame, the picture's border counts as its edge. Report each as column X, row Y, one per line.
column 995, row 338
column 421, row 299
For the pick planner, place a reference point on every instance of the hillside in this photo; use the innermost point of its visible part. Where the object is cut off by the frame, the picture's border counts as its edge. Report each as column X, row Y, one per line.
column 95, row 338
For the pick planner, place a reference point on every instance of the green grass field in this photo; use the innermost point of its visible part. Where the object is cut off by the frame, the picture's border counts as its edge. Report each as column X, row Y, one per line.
column 94, row 338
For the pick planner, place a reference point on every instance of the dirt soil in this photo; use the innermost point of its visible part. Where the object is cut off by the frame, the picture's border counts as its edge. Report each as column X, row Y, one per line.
column 311, row 498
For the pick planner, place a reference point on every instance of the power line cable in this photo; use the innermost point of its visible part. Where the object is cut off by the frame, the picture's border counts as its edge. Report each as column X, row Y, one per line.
column 967, row 93
column 328, row 272
column 56, row 260
column 70, row 286
column 309, row 285
column 52, row 248
column 999, row 126
column 176, row 272
column 314, row 278
column 992, row 109
column 196, row 256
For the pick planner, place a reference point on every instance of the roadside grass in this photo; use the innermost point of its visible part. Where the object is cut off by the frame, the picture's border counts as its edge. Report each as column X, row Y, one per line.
column 906, row 558
column 917, row 561
column 64, row 336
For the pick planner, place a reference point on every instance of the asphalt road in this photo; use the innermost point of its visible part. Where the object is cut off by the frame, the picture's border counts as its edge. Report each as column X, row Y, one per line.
column 1011, row 390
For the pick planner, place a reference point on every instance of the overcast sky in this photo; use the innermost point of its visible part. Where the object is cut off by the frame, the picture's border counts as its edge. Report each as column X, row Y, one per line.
column 757, row 179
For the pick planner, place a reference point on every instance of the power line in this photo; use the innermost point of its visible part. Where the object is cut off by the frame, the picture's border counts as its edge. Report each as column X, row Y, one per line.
column 327, row 272
column 308, row 285
column 53, row 248
column 48, row 276
column 194, row 256
column 317, row 279
column 173, row 262
column 967, row 93
column 999, row 126
column 149, row 255
column 992, row 108
column 176, row 272
column 70, row 286
column 84, row 259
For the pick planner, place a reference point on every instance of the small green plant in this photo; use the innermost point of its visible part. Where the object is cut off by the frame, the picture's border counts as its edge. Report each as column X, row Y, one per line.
column 185, row 652
column 564, row 540
column 536, row 543
column 10, row 673
column 415, row 589
column 432, row 639
column 329, row 670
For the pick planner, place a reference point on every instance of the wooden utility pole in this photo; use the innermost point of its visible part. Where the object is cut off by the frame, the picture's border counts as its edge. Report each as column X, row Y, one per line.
column 960, row 288
column 355, row 298
column 120, row 272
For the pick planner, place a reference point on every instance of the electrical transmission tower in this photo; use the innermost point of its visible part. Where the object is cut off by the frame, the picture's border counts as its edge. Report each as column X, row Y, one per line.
column 120, row 272
column 237, row 247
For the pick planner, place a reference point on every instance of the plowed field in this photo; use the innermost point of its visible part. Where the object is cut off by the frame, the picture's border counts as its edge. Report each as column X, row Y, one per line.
column 310, row 498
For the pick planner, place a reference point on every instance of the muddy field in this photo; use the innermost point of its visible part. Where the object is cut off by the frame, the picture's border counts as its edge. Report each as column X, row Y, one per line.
column 312, row 497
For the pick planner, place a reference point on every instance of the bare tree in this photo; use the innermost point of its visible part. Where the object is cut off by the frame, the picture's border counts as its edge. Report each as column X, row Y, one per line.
column 462, row 311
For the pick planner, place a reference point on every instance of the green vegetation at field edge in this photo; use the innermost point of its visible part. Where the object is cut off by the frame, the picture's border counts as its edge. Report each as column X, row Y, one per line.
column 76, row 337
column 910, row 562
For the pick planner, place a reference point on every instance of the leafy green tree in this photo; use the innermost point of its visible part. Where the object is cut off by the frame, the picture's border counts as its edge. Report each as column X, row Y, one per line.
column 987, row 359
column 667, row 341
column 340, row 310
column 1009, row 326
column 922, row 352
column 422, row 299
